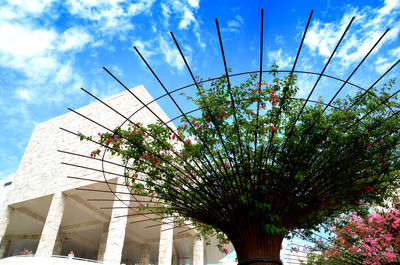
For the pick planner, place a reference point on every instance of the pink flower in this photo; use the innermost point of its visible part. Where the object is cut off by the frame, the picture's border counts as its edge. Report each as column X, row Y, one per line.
column 91, row 154
column 173, row 136
column 99, row 134
column 272, row 127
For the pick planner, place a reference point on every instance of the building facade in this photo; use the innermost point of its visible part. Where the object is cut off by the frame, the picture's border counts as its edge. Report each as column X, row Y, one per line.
column 52, row 208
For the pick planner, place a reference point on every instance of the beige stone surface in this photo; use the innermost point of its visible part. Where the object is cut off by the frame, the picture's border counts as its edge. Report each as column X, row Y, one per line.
column 198, row 252
column 144, row 254
column 166, row 241
column 41, row 173
column 117, row 227
column 51, row 227
column 103, row 242
column 4, row 221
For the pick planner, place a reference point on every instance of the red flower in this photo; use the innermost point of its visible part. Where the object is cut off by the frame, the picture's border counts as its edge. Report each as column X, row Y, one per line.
column 222, row 115
column 272, row 127
column 274, row 102
column 91, row 154
column 252, row 90
column 263, row 107
column 156, row 162
column 369, row 189
column 173, row 136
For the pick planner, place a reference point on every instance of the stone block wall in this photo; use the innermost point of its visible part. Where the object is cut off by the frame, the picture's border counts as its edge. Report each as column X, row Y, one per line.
column 41, row 173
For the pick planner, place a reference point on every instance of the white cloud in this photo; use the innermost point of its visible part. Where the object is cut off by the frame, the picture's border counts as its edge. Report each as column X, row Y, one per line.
column 194, row 3
column 33, row 7
column 24, row 94
column 111, row 17
column 185, row 12
column 382, row 64
column 389, row 6
column 140, row 7
column 234, row 25
column 166, row 11
column 171, row 54
column 144, row 48
column 368, row 26
column 117, row 71
column 21, row 40
column 74, row 38
column 187, row 19
column 277, row 57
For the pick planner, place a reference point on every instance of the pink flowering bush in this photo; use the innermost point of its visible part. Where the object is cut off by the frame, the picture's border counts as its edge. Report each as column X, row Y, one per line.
column 370, row 239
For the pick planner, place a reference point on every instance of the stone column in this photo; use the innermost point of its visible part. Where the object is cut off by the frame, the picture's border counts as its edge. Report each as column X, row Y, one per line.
column 116, row 229
column 175, row 256
column 198, row 251
column 103, row 242
column 166, row 241
column 59, row 243
column 5, row 245
column 5, row 218
column 50, row 230
column 144, row 255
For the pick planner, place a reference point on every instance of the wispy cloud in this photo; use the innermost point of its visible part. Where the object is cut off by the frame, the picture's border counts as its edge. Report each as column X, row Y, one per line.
column 185, row 13
column 279, row 58
column 234, row 25
column 368, row 26
column 171, row 54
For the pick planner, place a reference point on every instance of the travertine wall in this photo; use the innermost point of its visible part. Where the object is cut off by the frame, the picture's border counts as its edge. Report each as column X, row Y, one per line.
column 40, row 172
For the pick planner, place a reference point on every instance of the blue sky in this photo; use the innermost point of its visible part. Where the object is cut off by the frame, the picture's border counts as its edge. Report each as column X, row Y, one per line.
column 50, row 49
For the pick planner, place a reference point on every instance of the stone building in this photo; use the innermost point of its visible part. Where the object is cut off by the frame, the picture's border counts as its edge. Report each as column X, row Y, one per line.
column 50, row 209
